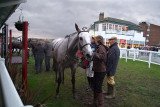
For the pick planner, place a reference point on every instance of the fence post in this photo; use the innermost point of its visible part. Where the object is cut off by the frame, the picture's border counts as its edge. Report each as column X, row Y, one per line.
column 150, row 56
column 126, row 55
column 120, row 53
column 24, row 53
column 134, row 55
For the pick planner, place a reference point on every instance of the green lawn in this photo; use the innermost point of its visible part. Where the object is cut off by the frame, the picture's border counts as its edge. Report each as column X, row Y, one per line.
column 136, row 86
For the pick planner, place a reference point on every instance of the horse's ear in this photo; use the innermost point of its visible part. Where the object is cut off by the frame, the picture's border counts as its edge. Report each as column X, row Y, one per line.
column 76, row 26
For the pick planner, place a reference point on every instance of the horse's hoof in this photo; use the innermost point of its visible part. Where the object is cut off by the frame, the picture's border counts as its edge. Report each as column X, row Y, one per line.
column 57, row 96
column 75, row 97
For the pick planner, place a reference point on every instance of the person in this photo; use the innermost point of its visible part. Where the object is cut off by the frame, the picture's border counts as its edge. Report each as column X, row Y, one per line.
column 111, row 66
column 39, row 56
column 99, row 68
column 48, row 54
column 89, row 72
column 128, row 47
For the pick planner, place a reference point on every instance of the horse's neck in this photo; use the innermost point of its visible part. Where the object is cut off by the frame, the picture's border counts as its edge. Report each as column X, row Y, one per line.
column 73, row 46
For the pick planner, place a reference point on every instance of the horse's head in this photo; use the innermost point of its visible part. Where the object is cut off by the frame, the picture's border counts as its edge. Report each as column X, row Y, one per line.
column 84, row 42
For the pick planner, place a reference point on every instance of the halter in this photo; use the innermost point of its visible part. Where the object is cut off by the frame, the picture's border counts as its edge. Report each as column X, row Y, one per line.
column 79, row 47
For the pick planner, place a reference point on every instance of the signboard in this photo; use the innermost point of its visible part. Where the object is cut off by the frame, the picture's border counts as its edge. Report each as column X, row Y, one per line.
column 122, row 41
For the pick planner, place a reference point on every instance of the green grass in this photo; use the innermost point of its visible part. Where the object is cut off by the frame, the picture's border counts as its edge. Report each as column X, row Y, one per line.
column 136, row 86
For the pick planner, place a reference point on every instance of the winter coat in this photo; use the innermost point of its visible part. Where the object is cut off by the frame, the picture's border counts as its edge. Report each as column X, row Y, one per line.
column 112, row 59
column 48, row 49
column 99, row 59
column 39, row 51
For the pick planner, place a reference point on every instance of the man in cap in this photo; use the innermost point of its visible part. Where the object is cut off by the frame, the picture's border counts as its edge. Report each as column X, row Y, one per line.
column 111, row 66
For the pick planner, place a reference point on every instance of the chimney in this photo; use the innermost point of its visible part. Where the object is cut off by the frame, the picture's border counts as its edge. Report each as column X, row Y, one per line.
column 101, row 16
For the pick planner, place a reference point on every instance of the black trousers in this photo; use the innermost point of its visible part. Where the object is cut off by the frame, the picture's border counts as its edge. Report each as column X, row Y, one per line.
column 38, row 63
column 47, row 62
column 98, row 81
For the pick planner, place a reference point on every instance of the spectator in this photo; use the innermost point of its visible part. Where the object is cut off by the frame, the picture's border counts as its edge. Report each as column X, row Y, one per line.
column 89, row 71
column 99, row 68
column 111, row 66
column 128, row 47
column 48, row 54
column 39, row 55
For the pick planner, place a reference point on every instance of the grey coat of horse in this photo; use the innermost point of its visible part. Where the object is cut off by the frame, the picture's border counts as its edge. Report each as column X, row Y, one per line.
column 65, row 54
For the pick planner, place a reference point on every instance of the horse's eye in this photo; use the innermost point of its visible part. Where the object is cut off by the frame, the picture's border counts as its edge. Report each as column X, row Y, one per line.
column 81, row 38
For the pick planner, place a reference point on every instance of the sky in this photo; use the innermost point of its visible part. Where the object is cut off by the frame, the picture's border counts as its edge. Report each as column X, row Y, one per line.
column 51, row 19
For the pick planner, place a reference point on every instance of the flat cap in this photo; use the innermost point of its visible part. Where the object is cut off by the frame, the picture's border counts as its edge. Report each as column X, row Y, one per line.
column 113, row 38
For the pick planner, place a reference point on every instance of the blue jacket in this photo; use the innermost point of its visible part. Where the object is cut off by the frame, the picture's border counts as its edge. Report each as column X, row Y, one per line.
column 112, row 59
column 93, row 47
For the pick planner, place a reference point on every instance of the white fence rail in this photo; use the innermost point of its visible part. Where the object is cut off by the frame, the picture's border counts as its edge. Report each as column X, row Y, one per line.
column 9, row 93
column 141, row 55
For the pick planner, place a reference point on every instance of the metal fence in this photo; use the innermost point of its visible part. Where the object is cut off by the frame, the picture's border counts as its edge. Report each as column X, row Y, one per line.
column 9, row 95
column 141, row 55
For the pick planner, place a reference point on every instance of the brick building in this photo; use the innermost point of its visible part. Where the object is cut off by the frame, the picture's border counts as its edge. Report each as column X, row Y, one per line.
column 151, row 32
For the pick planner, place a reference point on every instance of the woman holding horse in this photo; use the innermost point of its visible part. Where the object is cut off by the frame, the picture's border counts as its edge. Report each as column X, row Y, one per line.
column 99, row 68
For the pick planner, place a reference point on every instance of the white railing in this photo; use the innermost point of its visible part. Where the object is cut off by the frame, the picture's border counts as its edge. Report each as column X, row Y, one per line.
column 9, row 92
column 141, row 55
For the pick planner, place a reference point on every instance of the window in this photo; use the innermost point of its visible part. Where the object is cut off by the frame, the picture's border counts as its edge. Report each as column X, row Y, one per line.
column 119, row 28
column 123, row 28
column 96, row 27
column 116, row 27
column 107, row 40
column 104, row 27
column 110, row 26
column 107, row 25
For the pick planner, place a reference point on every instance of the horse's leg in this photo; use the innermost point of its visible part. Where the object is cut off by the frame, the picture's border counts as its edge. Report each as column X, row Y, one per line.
column 63, row 76
column 19, row 52
column 59, row 80
column 73, row 71
column 56, row 80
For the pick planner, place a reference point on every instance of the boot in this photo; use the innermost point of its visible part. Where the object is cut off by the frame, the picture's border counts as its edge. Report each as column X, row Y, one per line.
column 95, row 100
column 112, row 92
column 100, row 100
column 108, row 90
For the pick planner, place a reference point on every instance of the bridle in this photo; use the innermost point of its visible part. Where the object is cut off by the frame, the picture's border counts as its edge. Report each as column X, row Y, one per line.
column 79, row 46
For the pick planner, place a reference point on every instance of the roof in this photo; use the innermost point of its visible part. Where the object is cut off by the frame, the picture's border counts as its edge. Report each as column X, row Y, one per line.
column 131, row 26
column 7, row 7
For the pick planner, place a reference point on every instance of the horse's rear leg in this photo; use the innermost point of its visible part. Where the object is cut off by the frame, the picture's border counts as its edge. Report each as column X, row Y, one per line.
column 59, row 82
column 63, row 77
column 73, row 70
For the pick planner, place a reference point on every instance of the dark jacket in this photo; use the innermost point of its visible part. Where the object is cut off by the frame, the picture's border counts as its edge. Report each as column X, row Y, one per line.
column 112, row 59
column 39, row 51
column 99, row 59
column 48, row 49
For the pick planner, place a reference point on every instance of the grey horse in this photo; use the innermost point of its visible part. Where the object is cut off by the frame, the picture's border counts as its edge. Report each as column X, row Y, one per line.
column 65, row 54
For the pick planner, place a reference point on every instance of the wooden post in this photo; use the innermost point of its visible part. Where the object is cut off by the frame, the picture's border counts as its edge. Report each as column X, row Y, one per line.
column 10, row 46
column 24, row 53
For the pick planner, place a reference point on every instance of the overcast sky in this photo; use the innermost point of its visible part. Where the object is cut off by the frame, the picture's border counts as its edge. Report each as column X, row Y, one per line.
column 56, row 18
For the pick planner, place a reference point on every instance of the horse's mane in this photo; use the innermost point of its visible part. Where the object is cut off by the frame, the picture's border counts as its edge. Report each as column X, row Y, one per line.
column 70, row 35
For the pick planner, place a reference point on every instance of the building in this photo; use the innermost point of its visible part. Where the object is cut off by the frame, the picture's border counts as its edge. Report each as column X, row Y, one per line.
column 126, row 32
column 151, row 32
